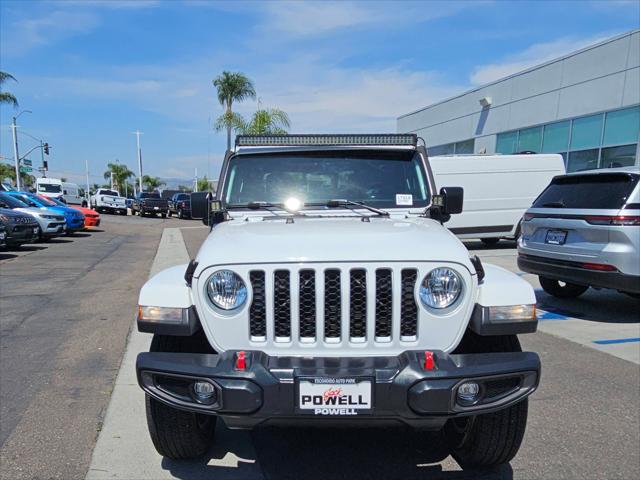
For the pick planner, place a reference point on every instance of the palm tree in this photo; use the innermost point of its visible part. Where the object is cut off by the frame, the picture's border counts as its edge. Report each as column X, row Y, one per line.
column 266, row 121
column 152, row 183
column 204, row 185
column 232, row 87
column 121, row 173
column 6, row 97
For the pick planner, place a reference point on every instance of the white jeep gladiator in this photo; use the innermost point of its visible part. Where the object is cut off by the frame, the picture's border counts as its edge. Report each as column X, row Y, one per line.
column 108, row 200
column 328, row 291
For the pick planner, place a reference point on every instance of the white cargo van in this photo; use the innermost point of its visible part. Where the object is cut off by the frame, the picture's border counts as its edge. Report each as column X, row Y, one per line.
column 73, row 194
column 497, row 190
column 49, row 187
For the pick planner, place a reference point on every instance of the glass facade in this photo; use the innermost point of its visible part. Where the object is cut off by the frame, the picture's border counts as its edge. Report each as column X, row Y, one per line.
column 603, row 140
column 465, row 147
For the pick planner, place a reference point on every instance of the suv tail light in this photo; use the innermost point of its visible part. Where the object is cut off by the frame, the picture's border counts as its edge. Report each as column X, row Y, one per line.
column 613, row 220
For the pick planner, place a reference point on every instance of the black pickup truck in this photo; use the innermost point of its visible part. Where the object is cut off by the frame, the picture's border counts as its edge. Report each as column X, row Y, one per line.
column 180, row 205
column 149, row 203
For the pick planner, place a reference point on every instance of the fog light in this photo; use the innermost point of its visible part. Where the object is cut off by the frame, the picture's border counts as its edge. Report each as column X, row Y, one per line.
column 204, row 392
column 468, row 393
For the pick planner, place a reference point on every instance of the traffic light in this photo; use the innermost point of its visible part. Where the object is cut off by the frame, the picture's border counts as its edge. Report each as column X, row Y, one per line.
column 45, row 165
column 46, row 149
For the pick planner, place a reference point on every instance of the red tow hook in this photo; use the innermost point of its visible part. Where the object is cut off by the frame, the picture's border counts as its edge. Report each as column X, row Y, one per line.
column 429, row 361
column 241, row 361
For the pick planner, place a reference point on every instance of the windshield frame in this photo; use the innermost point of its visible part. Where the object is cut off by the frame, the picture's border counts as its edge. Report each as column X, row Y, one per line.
column 419, row 156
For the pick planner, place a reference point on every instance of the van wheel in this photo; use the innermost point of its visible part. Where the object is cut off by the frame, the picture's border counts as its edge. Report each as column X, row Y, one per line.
column 490, row 439
column 490, row 242
column 561, row 289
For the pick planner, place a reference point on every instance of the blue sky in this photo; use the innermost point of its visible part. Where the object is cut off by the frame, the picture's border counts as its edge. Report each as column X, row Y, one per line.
column 92, row 72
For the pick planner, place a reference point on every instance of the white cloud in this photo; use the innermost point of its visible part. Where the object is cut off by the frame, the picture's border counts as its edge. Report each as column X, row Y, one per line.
column 534, row 55
column 23, row 35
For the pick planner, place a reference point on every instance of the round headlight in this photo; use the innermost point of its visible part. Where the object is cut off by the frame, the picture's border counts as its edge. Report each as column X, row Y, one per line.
column 440, row 288
column 226, row 290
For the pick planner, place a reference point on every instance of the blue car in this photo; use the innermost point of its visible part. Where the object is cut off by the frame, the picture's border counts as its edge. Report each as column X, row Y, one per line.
column 73, row 217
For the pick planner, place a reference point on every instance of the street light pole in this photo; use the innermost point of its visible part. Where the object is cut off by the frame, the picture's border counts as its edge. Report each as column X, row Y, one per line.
column 86, row 165
column 16, row 158
column 137, row 133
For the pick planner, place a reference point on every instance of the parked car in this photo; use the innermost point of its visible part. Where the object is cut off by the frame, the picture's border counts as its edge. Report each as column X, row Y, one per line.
column 74, row 219
column 3, row 235
column 498, row 189
column 20, row 228
column 329, row 291
column 49, row 187
column 584, row 231
column 149, row 203
column 51, row 223
column 91, row 217
column 108, row 200
column 180, row 205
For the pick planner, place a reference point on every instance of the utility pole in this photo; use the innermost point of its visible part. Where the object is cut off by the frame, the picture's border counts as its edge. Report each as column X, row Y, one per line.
column 137, row 133
column 14, row 129
column 195, row 187
column 86, row 166
column 44, row 171
column 111, row 180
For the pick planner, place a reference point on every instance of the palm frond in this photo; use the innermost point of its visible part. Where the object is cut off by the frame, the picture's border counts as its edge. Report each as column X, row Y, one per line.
column 9, row 98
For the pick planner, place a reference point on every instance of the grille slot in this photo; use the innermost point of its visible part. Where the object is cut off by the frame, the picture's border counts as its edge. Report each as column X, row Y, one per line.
column 258, row 309
column 408, row 307
column 384, row 304
column 358, row 305
column 307, row 309
column 332, row 305
column 282, row 305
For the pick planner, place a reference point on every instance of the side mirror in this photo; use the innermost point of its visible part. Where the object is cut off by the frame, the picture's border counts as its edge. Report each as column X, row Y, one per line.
column 448, row 202
column 217, row 213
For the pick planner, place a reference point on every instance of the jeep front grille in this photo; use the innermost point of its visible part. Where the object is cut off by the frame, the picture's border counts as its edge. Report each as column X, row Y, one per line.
column 306, row 305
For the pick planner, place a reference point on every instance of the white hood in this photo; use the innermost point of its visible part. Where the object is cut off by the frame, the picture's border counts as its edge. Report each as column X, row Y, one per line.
column 330, row 239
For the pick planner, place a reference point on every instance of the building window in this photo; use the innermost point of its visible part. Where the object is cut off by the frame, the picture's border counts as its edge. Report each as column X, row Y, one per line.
column 586, row 132
column 623, row 156
column 583, row 160
column 622, row 126
column 530, row 140
column 459, row 148
column 556, row 137
column 507, row 142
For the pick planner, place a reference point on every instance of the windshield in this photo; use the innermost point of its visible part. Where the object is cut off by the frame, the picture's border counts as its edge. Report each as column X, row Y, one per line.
column 109, row 192
column 12, row 202
column 31, row 201
column 49, row 188
column 52, row 202
column 384, row 179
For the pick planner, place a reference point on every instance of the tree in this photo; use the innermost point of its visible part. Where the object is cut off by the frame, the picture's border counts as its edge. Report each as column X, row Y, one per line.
column 121, row 174
column 8, row 171
column 266, row 121
column 184, row 188
column 63, row 179
column 232, row 87
column 6, row 97
column 152, row 183
column 204, row 185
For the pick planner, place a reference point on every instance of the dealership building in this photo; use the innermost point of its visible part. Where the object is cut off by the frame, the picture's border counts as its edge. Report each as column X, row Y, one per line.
column 584, row 106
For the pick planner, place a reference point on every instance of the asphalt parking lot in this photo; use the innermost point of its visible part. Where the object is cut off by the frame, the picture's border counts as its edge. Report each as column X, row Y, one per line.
column 71, row 409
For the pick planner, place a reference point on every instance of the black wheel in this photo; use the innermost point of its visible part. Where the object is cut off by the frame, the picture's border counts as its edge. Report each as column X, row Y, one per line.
column 168, row 213
column 84, row 204
column 177, row 434
column 490, row 242
column 180, row 214
column 491, row 439
column 561, row 289
column 163, row 215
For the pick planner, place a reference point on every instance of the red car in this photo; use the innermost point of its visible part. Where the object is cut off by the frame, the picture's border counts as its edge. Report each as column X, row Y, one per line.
column 91, row 217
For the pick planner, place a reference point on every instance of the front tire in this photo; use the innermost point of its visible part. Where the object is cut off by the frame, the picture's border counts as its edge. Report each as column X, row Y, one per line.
column 562, row 289
column 177, row 434
column 490, row 439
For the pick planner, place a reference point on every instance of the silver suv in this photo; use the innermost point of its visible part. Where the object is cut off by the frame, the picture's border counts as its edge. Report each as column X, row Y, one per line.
column 584, row 231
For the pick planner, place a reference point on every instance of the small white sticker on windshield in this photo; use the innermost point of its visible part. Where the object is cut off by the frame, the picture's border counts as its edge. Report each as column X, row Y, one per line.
column 404, row 199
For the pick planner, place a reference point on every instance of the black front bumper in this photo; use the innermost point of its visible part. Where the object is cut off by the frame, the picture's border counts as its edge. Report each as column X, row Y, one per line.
column 572, row 273
column 19, row 234
column 402, row 389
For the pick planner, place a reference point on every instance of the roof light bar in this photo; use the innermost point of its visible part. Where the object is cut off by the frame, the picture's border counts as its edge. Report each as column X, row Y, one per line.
column 405, row 139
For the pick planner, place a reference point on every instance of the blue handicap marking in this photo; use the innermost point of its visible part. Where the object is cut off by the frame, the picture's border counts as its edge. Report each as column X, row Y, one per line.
column 617, row 340
column 544, row 315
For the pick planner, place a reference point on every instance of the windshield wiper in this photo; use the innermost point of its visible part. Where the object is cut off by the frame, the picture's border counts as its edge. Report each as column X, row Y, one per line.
column 350, row 203
column 559, row 204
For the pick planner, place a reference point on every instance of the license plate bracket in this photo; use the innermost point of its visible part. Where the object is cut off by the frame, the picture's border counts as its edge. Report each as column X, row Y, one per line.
column 556, row 237
column 334, row 396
